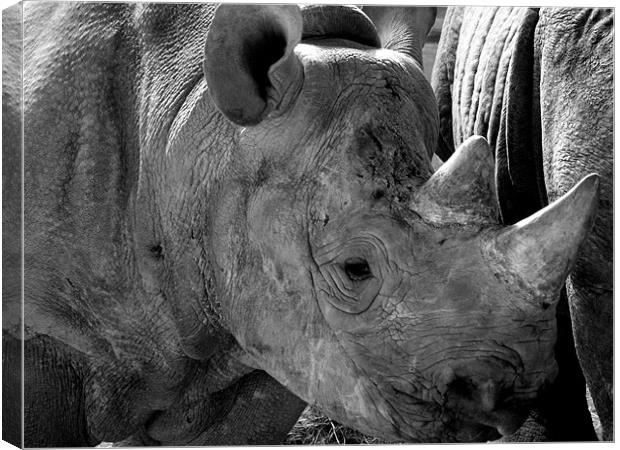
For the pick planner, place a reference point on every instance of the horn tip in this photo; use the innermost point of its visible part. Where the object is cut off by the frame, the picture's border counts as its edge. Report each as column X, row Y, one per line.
column 477, row 139
column 477, row 147
column 591, row 182
column 586, row 191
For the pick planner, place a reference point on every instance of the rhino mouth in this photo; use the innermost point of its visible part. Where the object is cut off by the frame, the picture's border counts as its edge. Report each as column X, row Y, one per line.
column 474, row 432
column 501, row 422
column 458, row 417
column 338, row 21
column 504, row 418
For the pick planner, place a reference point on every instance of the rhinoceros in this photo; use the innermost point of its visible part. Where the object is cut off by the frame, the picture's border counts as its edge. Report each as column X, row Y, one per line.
column 538, row 84
column 231, row 212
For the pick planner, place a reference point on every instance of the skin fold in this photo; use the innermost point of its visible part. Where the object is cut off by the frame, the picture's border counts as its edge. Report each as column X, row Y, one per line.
column 232, row 212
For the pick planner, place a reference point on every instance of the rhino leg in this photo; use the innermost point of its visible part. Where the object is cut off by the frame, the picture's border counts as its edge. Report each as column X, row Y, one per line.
column 11, row 390
column 262, row 413
column 225, row 402
column 593, row 312
column 53, row 396
column 576, row 88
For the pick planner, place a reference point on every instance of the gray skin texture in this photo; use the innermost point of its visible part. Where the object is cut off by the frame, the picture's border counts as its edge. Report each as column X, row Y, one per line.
column 539, row 85
column 11, row 221
column 194, row 274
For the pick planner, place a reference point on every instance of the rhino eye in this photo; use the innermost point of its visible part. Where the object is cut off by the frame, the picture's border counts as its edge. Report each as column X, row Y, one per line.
column 357, row 269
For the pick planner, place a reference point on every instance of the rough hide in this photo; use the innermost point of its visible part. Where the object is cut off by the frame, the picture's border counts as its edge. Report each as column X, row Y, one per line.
column 230, row 212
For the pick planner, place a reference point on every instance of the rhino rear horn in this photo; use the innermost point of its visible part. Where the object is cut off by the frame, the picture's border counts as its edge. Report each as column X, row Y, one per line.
column 402, row 29
column 250, row 67
column 462, row 190
column 542, row 248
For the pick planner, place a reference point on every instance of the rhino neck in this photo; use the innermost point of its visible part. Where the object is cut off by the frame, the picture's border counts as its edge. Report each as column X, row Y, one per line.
column 184, row 148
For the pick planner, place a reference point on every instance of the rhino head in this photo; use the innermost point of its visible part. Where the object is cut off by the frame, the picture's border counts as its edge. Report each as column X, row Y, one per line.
column 367, row 283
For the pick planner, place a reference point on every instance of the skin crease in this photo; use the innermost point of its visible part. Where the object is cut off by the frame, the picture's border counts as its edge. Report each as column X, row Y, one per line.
column 196, row 266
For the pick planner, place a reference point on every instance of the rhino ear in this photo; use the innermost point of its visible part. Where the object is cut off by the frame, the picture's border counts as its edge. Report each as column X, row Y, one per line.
column 250, row 67
column 542, row 248
column 402, row 29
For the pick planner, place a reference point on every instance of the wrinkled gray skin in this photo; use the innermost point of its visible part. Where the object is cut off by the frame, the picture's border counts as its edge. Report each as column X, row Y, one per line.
column 228, row 216
column 539, row 86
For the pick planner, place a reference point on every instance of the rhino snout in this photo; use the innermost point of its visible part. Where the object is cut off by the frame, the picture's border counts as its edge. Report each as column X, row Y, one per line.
column 502, row 403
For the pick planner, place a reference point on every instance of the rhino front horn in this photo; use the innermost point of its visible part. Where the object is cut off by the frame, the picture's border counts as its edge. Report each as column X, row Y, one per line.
column 462, row 190
column 542, row 248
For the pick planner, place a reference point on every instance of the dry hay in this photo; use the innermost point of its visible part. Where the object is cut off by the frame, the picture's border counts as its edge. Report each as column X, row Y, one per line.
column 313, row 428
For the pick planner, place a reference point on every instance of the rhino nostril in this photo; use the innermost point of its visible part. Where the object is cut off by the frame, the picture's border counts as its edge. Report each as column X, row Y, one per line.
column 462, row 388
column 486, row 394
column 489, row 395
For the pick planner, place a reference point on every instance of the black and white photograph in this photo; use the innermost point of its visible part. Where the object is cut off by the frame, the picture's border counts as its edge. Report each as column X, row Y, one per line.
column 250, row 224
